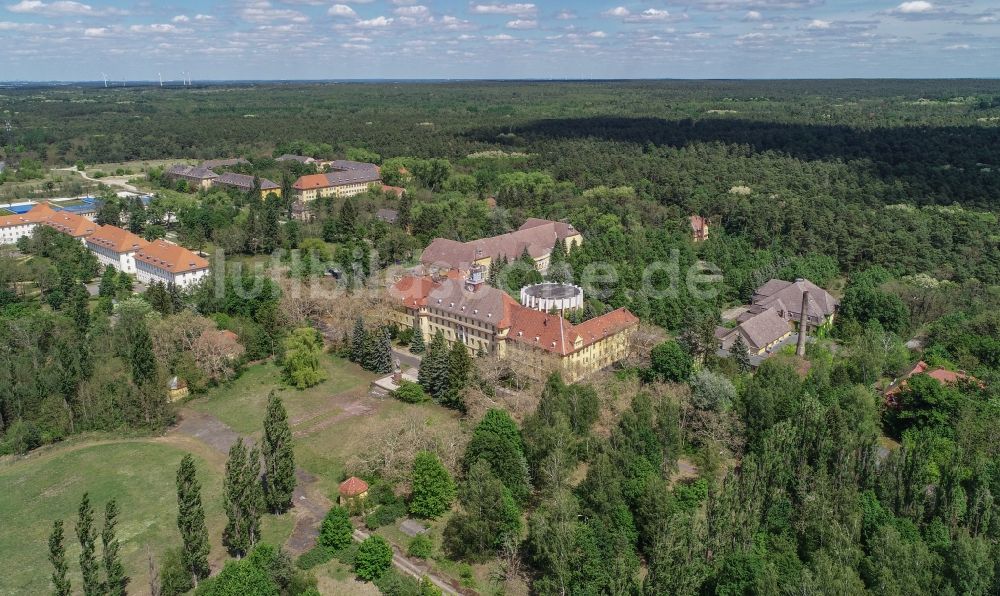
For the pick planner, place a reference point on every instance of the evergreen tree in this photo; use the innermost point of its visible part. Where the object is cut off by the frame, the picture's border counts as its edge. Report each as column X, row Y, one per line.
column 358, row 339
column 459, row 369
column 87, row 535
column 405, row 208
column 301, row 362
column 157, row 297
column 417, row 344
column 270, row 228
column 79, row 302
column 347, row 219
column 243, row 499
column 489, row 515
column 114, row 570
column 497, row 440
column 279, row 460
column 57, row 556
column 433, row 375
column 433, row 489
column 558, row 270
column 109, row 283
column 382, row 361
column 741, row 354
column 191, row 521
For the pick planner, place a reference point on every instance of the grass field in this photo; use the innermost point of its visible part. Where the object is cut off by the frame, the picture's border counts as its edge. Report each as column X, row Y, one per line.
column 138, row 473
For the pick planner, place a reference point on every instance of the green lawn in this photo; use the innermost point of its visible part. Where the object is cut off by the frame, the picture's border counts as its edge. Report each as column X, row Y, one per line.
column 139, row 474
column 242, row 403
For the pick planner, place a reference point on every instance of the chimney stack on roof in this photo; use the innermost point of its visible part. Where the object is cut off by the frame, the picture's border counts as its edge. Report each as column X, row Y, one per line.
column 800, row 349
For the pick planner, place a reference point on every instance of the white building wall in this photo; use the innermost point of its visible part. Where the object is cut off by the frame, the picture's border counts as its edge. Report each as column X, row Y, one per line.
column 11, row 234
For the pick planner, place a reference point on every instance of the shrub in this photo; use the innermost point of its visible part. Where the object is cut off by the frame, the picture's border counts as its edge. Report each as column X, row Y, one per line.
column 373, row 559
column 411, row 393
column 336, row 531
column 385, row 515
column 317, row 555
column 420, row 547
column 346, row 555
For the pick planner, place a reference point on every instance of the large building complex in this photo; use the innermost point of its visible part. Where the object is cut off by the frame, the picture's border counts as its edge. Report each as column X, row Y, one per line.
column 344, row 179
column 537, row 236
column 449, row 295
column 203, row 177
column 158, row 261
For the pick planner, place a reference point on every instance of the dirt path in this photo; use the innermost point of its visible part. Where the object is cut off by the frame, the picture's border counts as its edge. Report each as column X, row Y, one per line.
column 310, row 504
column 119, row 181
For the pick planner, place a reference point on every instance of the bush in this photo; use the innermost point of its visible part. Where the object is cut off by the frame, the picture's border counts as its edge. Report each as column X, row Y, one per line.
column 393, row 583
column 385, row 515
column 346, row 555
column 420, row 547
column 174, row 578
column 21, row 437
column 373, row 559
column 336, row 531
column 411, row 393
column 317, row 555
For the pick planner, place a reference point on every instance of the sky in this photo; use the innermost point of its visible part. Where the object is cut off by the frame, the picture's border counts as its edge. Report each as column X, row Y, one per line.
column 71, row 40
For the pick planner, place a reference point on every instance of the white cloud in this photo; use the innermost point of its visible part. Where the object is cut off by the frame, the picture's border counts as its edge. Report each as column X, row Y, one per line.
column 522, row 24
column 618, row 11
column 986, row 20
column 95, row 32
column 413, row 11
column 514, row 9
column 377, row 22
column 261, row 11
column 915, row 7
column 355, row 46
column 818, row 24
column 58, row 8
column 501, row 37
column 181, row 18
column 752, row 15
column 153, row 28
column 650, row 14
column 957, row 47
column 598, row 34
column 565, row 15
column 341, row 10
column 699, row 35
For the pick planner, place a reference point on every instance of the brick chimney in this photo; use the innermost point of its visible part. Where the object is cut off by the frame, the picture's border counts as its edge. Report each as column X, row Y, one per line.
column 800, row 349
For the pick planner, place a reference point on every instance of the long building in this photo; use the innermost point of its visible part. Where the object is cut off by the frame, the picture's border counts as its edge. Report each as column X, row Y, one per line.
column 345, row 179
column 536, row 236
column 204, row 177
column 158, row 261
column 489, row 322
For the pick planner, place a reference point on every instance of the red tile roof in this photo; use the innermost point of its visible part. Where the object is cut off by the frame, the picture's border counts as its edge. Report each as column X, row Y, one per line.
column 71, row 224
column 552, row 333
column 943, row 376
column 412, row 291
column 36, row 214
column 116, row 239
column 171, row 257
column 607, row 324
column 311, row 182
column 353, row 487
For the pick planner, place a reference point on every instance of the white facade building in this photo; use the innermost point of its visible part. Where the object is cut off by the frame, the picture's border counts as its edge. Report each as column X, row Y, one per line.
column 168, row 263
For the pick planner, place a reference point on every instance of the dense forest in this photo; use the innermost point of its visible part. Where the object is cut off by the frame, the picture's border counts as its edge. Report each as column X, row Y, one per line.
column 681, row 471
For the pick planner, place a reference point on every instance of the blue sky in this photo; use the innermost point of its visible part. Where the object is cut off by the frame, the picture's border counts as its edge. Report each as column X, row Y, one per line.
column 331, row 39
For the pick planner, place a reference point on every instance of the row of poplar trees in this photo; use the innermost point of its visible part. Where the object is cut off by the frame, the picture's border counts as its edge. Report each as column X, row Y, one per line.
column 248, row 491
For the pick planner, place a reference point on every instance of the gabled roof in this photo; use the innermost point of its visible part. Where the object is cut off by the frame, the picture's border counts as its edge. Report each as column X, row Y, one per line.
column 229, row 161
column 941, row 375
column 116, row 239
column 37, row 214
column 299, row 158
column 311, row 182
column 764, row 328
column 387, row 215
column 562, row 229
column 186, row 171
column 698, row 223
column 71, row 224
column 244, row 181
column 486, row 305
column 353, row 487
column 341, row 172
column 171, row 257
column 538, row 237
column 412, row 290
column 598, row 328
column 789, row 294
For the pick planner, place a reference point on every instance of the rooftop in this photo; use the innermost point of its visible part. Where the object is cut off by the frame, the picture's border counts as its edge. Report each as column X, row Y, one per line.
column 170, row 257
column 244, row 181
column 116, row 239
column 353, row 487
column 537, row 236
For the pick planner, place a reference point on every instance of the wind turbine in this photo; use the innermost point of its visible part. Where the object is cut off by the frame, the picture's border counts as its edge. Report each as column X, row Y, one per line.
column 105, row 75
column 161, row 78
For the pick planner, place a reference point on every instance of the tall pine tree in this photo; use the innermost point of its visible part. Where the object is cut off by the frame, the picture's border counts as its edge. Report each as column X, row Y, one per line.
column 57, row 556
column 87, row 535
column 359, row 338
column 381, row 361
column 433, row 375
column 191, row 521
column 243, row 500
column 417, row 344
column 279, row 460
column 459, row 369
column 114, row 570
column 741, row 354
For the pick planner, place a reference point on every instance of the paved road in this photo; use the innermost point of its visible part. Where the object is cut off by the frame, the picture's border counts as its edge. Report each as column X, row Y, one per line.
column 406, row 359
